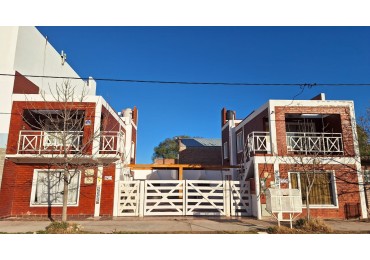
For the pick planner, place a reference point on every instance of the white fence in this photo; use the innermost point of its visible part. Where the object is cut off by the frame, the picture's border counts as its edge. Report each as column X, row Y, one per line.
column 325, row 143
column 186, row 197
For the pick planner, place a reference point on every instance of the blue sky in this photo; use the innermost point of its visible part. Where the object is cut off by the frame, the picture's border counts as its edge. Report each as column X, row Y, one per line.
column 213, row 54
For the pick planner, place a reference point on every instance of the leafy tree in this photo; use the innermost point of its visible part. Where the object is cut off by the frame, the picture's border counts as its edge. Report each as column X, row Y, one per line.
column 168, row 149
column 363, row 133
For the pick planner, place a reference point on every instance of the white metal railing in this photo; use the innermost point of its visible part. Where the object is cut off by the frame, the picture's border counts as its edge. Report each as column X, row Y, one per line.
column 259, row 142
column 112, row 142
column 307, row 142
column 37, row 142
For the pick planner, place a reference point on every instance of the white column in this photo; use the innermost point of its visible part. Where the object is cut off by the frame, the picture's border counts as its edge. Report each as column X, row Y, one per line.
column 99, row 181
column 142, row 192
column 358, row 163
column 116, row 188
column 272, row 126
column 257, row 183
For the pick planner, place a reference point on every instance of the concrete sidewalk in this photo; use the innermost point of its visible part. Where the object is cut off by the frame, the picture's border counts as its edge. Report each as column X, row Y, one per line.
column 147, row 225
column 162, row 225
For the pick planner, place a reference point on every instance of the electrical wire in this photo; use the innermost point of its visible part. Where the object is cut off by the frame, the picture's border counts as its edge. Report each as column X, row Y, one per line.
column 192, row 82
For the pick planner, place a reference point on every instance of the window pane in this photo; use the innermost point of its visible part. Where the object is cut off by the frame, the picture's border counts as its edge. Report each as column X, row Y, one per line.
column 49, row 188
column 321, row 191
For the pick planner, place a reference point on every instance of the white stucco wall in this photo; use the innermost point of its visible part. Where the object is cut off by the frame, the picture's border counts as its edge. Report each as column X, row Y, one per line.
column 25, row 49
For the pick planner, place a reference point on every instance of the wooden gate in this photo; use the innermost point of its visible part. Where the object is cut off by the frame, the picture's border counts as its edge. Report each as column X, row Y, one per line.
column 186, row 197
column 128, row 200
column 240, row 198
column 164, row 198
column 205, row 198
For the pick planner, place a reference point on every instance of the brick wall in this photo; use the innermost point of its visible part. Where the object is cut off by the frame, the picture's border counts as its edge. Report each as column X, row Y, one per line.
column 225, row 138
column 17, row 122
column 107, row 192
column 256, row 124
column 16, row 190
column 345, row 118
column 2, row 161
column 24, row 86
column 346, row 184
column 201, row 155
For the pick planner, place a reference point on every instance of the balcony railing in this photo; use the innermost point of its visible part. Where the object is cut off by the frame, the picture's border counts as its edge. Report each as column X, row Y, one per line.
column 309, row 143
column 259, row 142
column 112, row 142
column 38, row 142
column 51, row 142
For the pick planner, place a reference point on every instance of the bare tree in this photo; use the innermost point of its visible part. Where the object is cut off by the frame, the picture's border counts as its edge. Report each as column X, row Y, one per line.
column 62, row 122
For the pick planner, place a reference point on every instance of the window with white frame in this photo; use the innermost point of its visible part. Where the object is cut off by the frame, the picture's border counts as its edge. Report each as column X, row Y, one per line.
column 239, row 142
column 323, row 189
column 226, row 150
column 47, row 188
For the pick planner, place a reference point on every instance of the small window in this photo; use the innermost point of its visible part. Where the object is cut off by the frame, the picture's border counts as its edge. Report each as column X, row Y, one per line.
column 132, row 150
column 366, row 176
column 47, row 188
column 239, row 142
column 226, row 150
column 322, row 192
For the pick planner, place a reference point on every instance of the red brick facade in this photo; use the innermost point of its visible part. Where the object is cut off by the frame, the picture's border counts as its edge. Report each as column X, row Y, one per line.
column 18, row 175
column 345, row 118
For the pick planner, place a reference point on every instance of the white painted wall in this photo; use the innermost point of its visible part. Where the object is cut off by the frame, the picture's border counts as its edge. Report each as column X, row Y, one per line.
column 158, row 174
column 36, row 56
column 25, row 49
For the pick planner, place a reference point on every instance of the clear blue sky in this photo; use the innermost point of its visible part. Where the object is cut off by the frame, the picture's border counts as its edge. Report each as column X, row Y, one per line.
column 213, row 54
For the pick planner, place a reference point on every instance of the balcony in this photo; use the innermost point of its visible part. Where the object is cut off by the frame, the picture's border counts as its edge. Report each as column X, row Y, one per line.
column 314, row 143
column 259, row 142
column 112, row 142
column 51, row 142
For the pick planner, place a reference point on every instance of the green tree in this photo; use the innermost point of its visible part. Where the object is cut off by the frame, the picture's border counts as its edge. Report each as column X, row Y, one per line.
column 363, row 134
column 168, row 149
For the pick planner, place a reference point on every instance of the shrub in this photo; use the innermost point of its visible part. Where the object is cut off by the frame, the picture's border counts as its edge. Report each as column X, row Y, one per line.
column 314, row 225
column 302, row 226
column 63, row 228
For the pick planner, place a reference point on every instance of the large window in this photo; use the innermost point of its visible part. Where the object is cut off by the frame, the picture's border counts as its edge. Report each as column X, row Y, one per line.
column 322, row 192
column 239, row 142
column 47, row 188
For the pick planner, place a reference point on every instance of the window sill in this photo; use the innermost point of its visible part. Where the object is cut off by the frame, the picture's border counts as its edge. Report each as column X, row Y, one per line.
column 53, row 206
column 321, row 207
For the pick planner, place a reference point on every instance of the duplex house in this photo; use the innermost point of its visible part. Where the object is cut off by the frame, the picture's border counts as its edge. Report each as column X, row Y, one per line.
column 296, row 143
column 50, row 125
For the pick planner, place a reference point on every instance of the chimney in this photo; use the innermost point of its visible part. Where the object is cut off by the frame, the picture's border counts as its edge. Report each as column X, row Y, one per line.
column 223, row 117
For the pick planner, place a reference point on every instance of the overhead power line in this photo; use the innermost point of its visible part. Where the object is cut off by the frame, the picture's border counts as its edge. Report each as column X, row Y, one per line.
column 192, row 82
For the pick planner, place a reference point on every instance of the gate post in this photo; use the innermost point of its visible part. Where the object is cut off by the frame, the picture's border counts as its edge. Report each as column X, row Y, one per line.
column 227, row 197
column 142, row 198
column 184, row 195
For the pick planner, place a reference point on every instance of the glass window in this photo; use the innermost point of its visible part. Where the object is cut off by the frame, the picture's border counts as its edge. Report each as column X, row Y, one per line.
column 48, row 188
column 226, row 150
column 322, row 192
column 239, row 142
column 367, row 176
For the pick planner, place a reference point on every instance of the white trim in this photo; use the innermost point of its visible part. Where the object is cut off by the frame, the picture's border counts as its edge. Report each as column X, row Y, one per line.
column 34, row 184
column 239, row 145
column 251, row 116
column 117, row 179
column 97, row 123
column 334, row 190
column 257, row 188
column 226, row 155
column 99, row 186
column 358, row 162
